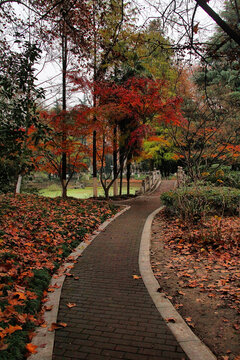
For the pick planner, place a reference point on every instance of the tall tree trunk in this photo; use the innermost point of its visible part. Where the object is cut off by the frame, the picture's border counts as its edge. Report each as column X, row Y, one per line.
column 64, row 107
column 128, row 175
column 94, row 159
column 115, row 174
column 121, row 170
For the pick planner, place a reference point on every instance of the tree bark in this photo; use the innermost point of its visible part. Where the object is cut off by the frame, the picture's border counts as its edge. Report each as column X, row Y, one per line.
column 115, row 169
column 18, row 185
column 226, row 28
column 64, row 107
column 128, row 176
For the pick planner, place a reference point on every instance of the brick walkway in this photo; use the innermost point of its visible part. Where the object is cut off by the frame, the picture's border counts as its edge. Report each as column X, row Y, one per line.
column 115, row 317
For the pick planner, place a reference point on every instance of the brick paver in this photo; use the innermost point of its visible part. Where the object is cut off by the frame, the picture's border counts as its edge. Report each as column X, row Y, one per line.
column 115, row 317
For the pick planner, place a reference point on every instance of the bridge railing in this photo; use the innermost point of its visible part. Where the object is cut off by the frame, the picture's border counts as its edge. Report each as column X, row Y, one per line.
column 149, row 182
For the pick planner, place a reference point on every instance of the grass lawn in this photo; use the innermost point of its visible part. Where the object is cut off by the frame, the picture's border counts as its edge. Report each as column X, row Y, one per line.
column 55, row 190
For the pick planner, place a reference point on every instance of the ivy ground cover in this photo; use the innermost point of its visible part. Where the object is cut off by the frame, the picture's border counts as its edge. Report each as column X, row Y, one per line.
column 36, row 235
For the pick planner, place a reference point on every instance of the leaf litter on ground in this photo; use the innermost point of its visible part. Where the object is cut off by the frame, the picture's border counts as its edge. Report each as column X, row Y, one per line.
column 199, row 269
column 36, row 236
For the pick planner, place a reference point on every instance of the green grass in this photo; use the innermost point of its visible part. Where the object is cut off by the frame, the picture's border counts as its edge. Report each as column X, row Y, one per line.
column 54, row 191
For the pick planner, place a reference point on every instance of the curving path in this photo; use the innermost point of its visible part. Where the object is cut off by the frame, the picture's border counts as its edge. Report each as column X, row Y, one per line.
column 115, row 318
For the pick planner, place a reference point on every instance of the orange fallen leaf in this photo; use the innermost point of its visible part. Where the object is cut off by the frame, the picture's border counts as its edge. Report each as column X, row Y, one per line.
column 31, row 348
column 51, row 289
column 136, row 277
column 70, row 305
column 177, row 306
column 171, row 320
column 48, row 308
column 181, row 292
column 56, row 326
column 62, row 324
column 11, row 329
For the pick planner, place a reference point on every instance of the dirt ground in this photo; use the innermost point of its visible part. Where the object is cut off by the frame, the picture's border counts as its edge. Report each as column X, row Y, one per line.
column 204, row 290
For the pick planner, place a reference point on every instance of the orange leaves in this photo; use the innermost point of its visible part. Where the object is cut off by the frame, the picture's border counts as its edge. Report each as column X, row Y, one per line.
column 9, row 330
column 136, row 277
column 71, row 305
column 76, row 127
column 31, row 348
column 55, row 326
column 36, row 231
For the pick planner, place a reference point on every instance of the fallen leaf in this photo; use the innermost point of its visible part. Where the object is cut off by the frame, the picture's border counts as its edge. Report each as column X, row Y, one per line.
column 136, row 277
column 181, row 292
column 11, row 329
column 31, row 348
column 62, row 324
column 171, row 320
column 177, row 306
column 70, row 305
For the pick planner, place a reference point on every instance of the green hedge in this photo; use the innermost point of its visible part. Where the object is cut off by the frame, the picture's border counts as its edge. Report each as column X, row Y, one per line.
column 224, row 178
column 195, row 202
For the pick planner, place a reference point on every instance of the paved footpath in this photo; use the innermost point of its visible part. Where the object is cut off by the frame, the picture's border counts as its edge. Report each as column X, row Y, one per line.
column 115, row 317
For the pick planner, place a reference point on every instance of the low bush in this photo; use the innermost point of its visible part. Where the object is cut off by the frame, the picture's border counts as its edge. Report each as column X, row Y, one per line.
column 223, row 178
column 196, row 202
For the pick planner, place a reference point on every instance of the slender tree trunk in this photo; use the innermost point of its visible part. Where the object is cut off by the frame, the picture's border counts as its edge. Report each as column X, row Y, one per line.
column 94, row 160
column 106, row 191
column 128, row 174
column 121, row 171
column 64, row 107
column 115, row 174
column 18, row 184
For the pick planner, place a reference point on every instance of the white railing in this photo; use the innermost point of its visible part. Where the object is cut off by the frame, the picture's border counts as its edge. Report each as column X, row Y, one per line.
column 181, row 177
column 149, row 182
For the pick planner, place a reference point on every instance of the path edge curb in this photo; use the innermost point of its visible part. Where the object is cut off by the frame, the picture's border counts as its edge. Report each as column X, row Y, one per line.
column 194, row 348
column 44, row 339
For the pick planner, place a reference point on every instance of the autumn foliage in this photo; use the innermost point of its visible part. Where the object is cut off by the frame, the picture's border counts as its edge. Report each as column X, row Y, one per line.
column 36, row 234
